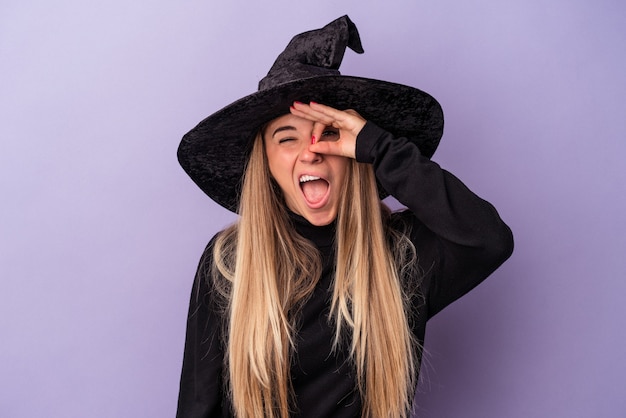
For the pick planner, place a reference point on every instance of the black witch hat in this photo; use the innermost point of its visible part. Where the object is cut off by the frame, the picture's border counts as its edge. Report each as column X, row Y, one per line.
column 215, row 152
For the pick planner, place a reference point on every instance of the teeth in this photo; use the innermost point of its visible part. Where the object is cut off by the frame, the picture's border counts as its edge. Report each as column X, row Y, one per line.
column 306, row 178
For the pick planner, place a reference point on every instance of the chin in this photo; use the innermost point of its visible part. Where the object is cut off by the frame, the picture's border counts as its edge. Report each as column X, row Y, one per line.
column 320, row 219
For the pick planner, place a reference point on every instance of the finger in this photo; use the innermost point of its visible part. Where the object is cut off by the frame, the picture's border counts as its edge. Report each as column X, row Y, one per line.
column 328, row 111
column 338, row 118
column 344, row 147
column 345, row 119
column 305, row 111
column 348, row 119
column 329, row 148
column 333, row 148
column 318, row 126
column 354, row 113
column 318, row 130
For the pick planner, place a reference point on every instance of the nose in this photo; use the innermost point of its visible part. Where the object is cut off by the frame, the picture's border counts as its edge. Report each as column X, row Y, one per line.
column 308, row 156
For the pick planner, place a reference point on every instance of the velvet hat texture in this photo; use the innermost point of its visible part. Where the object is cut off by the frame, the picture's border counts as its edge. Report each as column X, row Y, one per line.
column 214, row 153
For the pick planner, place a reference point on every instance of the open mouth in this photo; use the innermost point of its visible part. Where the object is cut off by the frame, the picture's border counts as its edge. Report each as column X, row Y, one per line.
column 314, row 188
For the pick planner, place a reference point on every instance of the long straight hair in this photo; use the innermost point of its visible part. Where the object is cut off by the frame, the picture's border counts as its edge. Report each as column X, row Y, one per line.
column 271, row 270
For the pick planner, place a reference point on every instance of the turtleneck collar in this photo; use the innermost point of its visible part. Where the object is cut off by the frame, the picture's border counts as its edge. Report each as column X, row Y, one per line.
column 322, row 236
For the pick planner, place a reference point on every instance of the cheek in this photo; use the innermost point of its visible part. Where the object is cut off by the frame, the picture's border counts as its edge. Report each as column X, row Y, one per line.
column 271, row 166
column 342, row 169
column 278, row 165
column 271, row 160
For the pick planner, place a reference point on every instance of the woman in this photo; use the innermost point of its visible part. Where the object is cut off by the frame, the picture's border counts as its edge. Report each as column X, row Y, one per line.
column 315, row 302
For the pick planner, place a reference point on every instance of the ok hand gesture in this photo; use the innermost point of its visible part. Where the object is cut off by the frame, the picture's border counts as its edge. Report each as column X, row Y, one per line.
column 348, row 122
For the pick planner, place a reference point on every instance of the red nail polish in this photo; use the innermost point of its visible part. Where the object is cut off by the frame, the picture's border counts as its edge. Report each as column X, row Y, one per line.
column 313, row 139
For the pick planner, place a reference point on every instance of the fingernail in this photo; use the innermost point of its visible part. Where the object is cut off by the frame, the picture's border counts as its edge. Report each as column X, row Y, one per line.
column 297, row 102
column 312, row 102
column 313, row 139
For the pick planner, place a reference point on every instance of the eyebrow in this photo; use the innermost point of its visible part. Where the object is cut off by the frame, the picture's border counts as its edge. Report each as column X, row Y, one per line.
column 283, row 128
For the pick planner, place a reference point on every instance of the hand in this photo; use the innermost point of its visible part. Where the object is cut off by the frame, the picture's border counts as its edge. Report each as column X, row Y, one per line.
column 348, row 122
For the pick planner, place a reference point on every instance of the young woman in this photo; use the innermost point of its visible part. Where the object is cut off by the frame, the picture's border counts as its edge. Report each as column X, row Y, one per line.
column 315, row 302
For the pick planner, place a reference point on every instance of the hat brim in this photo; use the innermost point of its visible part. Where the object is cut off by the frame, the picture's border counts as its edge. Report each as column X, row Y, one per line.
column 215, row 152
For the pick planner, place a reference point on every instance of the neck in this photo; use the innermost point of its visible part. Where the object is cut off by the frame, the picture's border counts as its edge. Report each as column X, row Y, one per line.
column 322, row 236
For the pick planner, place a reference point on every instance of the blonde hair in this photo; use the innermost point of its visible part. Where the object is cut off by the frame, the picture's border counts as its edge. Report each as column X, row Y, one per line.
column 271, row 270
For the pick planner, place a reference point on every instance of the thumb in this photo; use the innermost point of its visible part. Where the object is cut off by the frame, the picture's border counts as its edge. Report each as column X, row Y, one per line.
column 339, row 148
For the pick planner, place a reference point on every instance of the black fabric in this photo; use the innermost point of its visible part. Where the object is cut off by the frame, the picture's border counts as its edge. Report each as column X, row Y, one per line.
column 314, row 53
column 215, row 152
column 460, row 240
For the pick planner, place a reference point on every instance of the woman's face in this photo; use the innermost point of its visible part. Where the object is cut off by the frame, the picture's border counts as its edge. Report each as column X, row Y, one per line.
column 311, row 183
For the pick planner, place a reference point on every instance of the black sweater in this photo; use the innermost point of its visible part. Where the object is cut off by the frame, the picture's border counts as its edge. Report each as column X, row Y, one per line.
column 459, row 238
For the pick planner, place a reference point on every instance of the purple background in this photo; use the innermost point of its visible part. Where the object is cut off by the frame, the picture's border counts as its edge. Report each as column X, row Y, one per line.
column 100, row 229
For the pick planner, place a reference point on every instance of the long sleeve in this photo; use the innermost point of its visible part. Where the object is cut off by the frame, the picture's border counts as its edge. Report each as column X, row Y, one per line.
column 201, row 383
column 459, row 237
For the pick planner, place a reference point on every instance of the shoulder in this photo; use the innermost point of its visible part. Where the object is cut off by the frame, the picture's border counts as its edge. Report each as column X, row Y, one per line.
column 221, row 246
column 213, row 273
